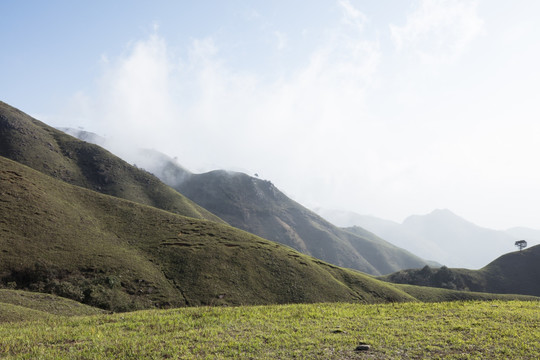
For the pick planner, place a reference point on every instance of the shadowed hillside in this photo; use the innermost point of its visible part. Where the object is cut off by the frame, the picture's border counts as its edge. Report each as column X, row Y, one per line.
column 116, row 254
column 257, row 206
column 52, row 152
column 514, row 273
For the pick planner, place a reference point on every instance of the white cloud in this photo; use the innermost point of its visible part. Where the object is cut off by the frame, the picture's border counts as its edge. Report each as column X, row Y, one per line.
column 438, row 31
column 132, row 100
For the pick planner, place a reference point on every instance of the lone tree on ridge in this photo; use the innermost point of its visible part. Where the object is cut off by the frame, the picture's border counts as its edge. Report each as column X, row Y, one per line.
column 521, row 244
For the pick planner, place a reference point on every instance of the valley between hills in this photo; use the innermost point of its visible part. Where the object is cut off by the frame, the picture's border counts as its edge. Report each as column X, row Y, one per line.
column 84, row 233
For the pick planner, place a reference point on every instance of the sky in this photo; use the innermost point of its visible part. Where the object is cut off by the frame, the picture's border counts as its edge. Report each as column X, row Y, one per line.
column 387, row 108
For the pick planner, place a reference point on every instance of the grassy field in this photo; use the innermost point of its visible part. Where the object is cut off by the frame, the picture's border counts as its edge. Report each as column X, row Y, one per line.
column 451, row 330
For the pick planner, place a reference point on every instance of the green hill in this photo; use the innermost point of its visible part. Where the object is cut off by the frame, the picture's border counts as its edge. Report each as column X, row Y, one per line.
column 16, row 305
column 514, row 273
column 52, row 152
column 257, row 206
column 16, row 313
column 120, row 255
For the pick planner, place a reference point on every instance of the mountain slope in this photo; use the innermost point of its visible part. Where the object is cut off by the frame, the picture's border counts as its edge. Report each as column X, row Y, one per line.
column 52, row 152
column 121, row 255
column 257, row 206
column 513, row 273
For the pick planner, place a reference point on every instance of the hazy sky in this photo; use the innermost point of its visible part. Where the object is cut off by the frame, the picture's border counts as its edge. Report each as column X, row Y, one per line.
column 387, row 108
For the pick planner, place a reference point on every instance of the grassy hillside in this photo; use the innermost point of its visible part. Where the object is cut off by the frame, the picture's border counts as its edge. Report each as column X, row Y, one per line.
column 457, row 330
column 514, row 273
column 16, row 313
column 16, row 305
column 52, row 152
column 433, row 294
column 120, row 255
column 259, row 207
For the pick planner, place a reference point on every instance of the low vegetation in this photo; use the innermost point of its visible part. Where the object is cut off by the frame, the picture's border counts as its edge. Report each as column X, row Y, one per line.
column 456, row 330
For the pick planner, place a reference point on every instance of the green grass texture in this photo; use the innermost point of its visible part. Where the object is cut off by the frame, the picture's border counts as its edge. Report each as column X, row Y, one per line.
column 448, row 330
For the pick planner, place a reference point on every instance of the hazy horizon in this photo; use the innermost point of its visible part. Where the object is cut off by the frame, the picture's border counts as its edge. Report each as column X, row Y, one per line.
column 388, row 108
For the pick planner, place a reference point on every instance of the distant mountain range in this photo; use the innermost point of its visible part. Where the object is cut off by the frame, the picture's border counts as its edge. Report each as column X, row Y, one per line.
column 441, row 236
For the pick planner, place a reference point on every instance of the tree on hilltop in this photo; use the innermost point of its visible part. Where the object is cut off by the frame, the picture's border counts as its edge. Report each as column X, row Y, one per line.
column 521, row 244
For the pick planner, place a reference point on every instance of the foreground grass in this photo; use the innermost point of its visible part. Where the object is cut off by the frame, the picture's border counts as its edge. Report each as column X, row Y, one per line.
column 456, row 330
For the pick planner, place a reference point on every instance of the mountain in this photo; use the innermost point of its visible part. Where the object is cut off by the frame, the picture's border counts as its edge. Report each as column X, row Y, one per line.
column 52, row 152
column 442, row 236
column 120, row 255
column 257, row 206
column 513, row 273
column 457, row 241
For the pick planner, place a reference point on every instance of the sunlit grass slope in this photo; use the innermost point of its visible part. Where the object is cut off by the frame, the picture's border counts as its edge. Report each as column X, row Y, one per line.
column 456, row 330
column 120, row 255
column 52, row 152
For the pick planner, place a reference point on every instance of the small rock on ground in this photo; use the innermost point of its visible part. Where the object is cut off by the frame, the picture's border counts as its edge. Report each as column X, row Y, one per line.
column 362, row 347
